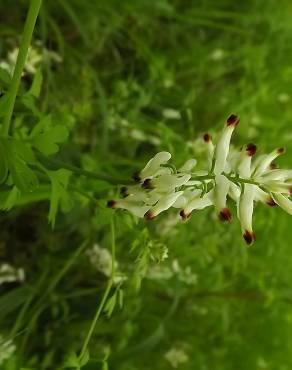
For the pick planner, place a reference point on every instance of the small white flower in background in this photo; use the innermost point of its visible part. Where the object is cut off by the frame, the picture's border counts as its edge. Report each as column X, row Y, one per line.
column 7, row 348
column 101, row 259
column 170, row 113
column 217, row 55
column 176, row 356
column 184, row 275
column 36, row 56
column 284, row 98
column 10, row 274
column 230, row 175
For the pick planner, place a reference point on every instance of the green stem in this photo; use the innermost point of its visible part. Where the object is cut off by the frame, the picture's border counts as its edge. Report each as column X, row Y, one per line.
column 104, row 297
column 20, row 62
column 42, row 303
column 56, row 164
column 235, row 179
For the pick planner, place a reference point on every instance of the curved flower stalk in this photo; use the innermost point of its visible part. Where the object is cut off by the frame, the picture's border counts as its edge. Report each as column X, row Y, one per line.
column 230, row 175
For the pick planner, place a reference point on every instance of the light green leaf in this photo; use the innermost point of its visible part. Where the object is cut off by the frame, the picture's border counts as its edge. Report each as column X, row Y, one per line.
column 3, row 164
column 46, row 137
column 59, row 195
column 36, row 86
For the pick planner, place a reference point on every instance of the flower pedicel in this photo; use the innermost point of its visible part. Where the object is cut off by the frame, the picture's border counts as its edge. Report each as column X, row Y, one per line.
column 230, row 174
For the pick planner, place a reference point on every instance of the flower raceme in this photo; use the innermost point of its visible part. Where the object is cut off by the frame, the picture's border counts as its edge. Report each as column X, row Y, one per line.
column 231, row 174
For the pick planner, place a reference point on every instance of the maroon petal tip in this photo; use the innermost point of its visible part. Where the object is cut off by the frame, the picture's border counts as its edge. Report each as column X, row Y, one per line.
column 280, row 150
column 273, row 166
column 232, row 120
column 149, row 215
column 251, row 149
column 136, row 177
column 111, row 204
column 124, row 191
column 225, row 214
column 271, row 203
column 147, row 184
column 184, row 215
column 207, row 138
column 249, row 237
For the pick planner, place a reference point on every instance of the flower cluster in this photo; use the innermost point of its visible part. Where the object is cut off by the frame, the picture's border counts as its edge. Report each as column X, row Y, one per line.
column 36, row 55
column 230, row 174
column 10, row 274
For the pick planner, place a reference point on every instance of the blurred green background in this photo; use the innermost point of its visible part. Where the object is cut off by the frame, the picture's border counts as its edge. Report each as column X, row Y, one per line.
column 134, row 78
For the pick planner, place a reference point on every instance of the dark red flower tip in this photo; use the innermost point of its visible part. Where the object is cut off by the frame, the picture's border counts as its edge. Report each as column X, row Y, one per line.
column 147, row 184
column 111, row 204
column 149, row 215
column 225, row 214
column 232, row 120
column 124, row 191
column 280, row 150
column 249, row 237
column 184, row 215
column 251, row 149
column 273, row 166
column 271, row 203
column 207, row 138
column 136, row 176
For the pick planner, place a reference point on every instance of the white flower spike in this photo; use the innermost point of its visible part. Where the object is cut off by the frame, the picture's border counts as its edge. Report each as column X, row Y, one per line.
column 229, row 175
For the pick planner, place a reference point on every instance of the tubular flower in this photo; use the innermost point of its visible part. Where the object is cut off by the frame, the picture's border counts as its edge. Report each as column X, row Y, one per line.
column 230, row 175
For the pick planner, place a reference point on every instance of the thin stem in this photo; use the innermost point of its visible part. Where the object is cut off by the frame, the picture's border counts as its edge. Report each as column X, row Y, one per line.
column 105, row 294
column 57, row 164
column 235, row 179
column 20, row 62
column 41, row 303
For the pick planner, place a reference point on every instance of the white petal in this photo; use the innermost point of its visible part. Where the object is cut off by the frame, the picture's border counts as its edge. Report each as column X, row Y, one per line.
column 283, row 202
column 244, row 164
column 197, row 202
column 234, row 191
column 188, row 166
column 277, row 174
column 210, row 149
column 222, row 148
column 154, row 164
column 163, row 204
column 220, row 196
column 169, row 182
column 264, row 163
column 245, row 212
column 137, row 208
column 275, row 186
column 263, row 197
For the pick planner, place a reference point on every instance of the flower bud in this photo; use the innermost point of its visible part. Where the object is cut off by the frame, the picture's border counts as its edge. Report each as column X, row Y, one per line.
column 222, row 185
column 245, row 212
column 222, row 147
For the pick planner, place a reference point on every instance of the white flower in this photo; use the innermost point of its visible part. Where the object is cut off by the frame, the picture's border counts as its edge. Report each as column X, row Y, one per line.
column 10, row 274
column 222, row 147
column 283, row 202
column 230, row 174
column 170, row 113
column 153, row 167
column 165, row 202
column 194, row 201
column 245, row 212
column 101, row 259
column 176, row 356
column 36, row 55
